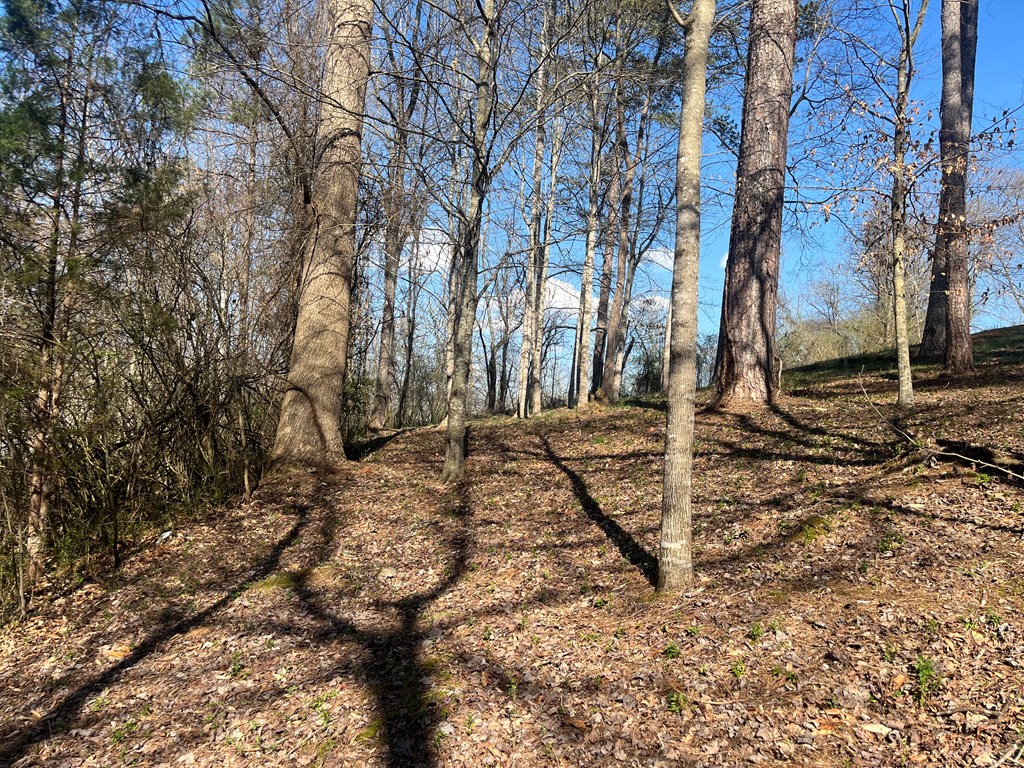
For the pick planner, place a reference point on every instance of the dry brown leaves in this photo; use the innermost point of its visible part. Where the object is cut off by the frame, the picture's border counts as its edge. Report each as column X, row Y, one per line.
column 859, row 602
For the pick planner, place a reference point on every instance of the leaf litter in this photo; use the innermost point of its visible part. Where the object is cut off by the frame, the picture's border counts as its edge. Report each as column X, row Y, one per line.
column 859, row 601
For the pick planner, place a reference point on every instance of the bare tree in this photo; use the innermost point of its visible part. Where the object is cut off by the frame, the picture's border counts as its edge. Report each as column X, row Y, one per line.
column 675, row 562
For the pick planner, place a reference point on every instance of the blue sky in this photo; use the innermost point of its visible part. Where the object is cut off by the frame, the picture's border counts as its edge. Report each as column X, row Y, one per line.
column 999, row 85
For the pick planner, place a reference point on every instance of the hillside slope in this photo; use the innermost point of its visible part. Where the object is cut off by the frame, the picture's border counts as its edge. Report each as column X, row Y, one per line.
column 860, row 601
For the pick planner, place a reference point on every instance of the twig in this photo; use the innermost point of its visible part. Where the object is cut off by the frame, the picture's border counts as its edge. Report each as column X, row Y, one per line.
column 919, row 446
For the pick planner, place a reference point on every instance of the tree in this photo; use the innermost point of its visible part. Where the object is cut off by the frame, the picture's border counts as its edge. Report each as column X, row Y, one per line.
column 959, row 46
column 402, row 97
column 675, row 561
column 898, row 197
column 309, row 428
column 745, row 370
column 466, row 266
column 959, row 49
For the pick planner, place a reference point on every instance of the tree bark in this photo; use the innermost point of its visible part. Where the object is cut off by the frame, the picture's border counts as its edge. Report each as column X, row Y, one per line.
column 675, row 561
column 898, row 199
column 309, row 426
column 470, row 224
column 745, row 366
column 959, row 45
column 581, row 390
column 959, row 49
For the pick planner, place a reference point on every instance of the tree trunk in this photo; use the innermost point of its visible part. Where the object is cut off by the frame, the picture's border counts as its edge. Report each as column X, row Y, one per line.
column 959, row 46
column 898, row 200
column 959, row 49
column 745, row 369
column 309, row 427
column 470, row 224
column 581, row 390
column 675, row 561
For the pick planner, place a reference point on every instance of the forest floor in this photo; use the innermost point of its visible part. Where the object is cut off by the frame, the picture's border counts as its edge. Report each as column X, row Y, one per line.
column 859, row 601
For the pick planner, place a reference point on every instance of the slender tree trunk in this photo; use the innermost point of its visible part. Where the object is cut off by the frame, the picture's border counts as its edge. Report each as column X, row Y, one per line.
column 582, row 359
column 675, row 561
column 309, row 427
column 898, row 199
column 745, row 370
column 470, row 225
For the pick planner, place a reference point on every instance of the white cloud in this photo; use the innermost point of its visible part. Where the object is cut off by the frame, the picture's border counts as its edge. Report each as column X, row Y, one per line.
column 431, row 253
column 661, row 257
column 561, row 296
column 724, row 260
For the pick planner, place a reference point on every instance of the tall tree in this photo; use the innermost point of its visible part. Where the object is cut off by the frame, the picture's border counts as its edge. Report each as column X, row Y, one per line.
column 309, row 428
column 909, row 32
column 949, row 296
column 745, row 370
column 399, row 204
column 675, row 561
column 466, row 266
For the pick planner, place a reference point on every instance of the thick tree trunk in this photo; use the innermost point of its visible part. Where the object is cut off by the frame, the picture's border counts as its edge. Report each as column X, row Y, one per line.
column 959, row 45
column 309, row 427
column 959, row 49
column 675, row 561
column 745, row 371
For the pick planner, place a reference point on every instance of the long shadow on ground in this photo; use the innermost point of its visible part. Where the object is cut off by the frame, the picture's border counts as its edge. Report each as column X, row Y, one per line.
column 63, row 716
column 395, row 670
column 628, row 547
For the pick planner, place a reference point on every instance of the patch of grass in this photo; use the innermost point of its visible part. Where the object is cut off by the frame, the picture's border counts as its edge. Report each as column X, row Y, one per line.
column 677, row 702
column 372, row 731
column 123, row 731
column 738, row 668
column 890, row 541
column 926, row 678
column 756, row 631
column 693, row 630
column 282, row 580
column 814, row 528
column 672, row 651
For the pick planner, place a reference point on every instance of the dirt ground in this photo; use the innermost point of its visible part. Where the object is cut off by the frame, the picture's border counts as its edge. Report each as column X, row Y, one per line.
column 859, row 602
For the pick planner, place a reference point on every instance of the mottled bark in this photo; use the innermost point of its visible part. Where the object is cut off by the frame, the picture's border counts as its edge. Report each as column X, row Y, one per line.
column 898, row 198
column 309, row 427
column 675, row 561
column 745, row 370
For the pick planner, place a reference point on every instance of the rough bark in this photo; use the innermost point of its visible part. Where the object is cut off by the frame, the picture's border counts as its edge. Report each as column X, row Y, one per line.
column 959, row 48
column 309, row 426
column 675, row 561
column 745, row 371
column 959, row 44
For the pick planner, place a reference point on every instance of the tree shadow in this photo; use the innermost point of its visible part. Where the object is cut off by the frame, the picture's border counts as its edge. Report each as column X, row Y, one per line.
column 65, row 713
column 395, row 669
column 363, row 449
column 628, row 547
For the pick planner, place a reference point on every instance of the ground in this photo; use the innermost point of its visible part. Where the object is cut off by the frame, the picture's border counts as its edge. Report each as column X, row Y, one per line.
column 859, row 601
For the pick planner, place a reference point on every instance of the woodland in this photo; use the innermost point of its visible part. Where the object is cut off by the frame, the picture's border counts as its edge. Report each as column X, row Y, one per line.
column 362, row 401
